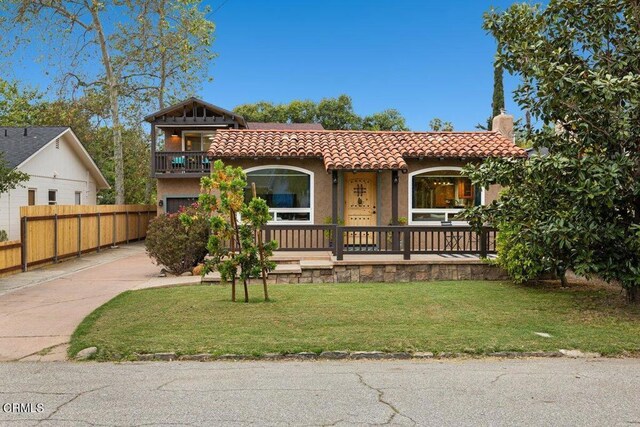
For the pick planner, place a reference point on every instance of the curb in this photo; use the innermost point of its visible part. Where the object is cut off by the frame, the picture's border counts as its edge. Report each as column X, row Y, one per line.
column 360, row 355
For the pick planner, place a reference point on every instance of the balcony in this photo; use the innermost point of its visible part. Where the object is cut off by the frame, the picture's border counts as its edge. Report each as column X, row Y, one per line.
column 177, row 164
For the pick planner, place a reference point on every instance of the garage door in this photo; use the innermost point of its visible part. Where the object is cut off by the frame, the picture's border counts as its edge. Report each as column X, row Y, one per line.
column 175, row 203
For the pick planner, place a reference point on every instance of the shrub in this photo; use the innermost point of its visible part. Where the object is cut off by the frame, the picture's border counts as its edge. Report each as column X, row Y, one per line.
column 176, row 245
column 519, row 256
column 3, row 236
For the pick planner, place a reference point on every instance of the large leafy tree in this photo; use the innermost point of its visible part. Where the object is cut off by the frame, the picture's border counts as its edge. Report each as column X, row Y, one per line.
column 86, row 116
column 332, row 113
column 10, row 178
column 437, row 125
column 579, row 206
column 127, row 51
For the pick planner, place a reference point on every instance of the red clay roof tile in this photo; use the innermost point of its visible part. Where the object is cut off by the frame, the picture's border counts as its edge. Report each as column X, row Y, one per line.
column 364, row 150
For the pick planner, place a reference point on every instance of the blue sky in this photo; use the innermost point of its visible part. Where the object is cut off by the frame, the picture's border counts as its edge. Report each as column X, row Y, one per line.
column 425, row 58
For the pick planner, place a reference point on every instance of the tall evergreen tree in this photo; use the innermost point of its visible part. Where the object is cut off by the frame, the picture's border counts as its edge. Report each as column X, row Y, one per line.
column 497, row 104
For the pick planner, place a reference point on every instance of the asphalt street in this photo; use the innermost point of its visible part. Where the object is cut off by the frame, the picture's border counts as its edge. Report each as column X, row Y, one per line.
column 545, row 392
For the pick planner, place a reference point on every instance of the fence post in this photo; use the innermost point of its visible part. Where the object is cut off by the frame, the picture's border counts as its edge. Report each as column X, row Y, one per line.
column 24, row 243
column 79, row 235
column 483, row 235
column 126, row 227
column 406, row 253
column 55, row 238
column 339, row 243
column 115, row 221
column 99, row 231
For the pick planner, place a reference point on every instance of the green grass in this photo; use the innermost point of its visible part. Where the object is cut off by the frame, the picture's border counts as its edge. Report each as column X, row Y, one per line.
column 473, row 317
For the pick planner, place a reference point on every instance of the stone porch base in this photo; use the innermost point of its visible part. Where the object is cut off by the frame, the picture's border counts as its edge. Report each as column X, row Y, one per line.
column 314, row 269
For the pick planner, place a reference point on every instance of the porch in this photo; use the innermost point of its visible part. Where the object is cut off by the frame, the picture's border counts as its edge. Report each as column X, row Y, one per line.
column 345, row 254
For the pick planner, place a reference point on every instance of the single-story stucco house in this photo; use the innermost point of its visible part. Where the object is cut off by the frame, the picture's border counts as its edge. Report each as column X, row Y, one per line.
column 309, row 175
column 61, row 171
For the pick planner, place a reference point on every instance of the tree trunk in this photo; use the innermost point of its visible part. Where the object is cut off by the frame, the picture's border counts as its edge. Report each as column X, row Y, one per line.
column 112, row 88
column 161, row 88
column 563, row 278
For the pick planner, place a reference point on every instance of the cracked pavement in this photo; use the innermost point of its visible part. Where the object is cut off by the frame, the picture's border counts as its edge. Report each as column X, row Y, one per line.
column 341, row 393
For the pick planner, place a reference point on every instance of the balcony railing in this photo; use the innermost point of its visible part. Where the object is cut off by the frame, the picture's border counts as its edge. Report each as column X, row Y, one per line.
column 194, row 162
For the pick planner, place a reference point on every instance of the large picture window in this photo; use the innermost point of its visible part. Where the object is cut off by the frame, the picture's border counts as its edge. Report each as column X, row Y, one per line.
column 440, row 194
column 287, row 190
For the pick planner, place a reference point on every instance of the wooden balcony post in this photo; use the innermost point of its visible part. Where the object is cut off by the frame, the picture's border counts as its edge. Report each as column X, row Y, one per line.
column 153, row 149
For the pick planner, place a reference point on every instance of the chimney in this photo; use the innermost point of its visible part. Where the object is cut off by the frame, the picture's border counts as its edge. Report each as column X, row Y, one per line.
column 503, row 123
column 25, row 131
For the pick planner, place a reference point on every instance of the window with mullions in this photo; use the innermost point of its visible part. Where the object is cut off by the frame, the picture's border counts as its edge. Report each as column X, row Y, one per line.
column 287, row 191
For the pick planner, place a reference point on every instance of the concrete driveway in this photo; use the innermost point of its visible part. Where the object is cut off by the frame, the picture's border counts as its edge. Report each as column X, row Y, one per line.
column 40, row 309
column 488, row 392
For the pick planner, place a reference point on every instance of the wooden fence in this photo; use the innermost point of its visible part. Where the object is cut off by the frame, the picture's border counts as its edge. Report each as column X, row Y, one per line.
column 52, row 233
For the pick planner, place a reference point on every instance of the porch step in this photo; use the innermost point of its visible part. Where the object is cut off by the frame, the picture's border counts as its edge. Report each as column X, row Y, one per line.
column 296, row 256
column 214, row 277
column 320, row 264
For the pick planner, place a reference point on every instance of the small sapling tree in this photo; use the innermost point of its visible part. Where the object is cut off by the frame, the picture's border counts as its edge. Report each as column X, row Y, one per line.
column 235, row 247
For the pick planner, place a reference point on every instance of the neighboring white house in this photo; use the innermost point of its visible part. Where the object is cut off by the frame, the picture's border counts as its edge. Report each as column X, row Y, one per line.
column 61, row 171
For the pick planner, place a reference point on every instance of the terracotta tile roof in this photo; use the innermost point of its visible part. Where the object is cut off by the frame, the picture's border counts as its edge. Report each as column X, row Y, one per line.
column 284, row 126
column 361, row 149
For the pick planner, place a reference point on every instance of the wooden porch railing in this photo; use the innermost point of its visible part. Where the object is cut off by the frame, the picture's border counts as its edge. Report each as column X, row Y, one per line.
column 182, row 162
column 404, row 240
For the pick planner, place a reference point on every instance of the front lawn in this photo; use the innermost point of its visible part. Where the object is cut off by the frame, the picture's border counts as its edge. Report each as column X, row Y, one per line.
column 473, row 316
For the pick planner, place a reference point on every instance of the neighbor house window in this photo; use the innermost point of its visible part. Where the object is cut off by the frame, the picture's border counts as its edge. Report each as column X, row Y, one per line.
column 196, row 141
column 78, row 198
column 440, row 194
column 287, row 190
column 53, row 197
column 31, row 199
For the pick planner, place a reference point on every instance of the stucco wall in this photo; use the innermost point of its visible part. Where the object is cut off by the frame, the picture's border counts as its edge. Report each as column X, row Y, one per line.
column 71, row 176
column 189, row 187
column 176, row 187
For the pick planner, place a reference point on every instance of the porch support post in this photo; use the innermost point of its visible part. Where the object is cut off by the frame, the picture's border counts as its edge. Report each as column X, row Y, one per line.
column 395, row 237
column 334, row 197
column 394, row 197
column 153, row 149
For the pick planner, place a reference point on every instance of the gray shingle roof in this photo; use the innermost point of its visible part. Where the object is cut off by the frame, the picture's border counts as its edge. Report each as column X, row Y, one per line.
column 17, row 147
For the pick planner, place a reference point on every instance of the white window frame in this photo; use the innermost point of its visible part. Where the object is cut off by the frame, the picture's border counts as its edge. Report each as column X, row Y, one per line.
column 77, row 199
column 49, row 197
column 444, row 211
column 35, row 196
column 201, row 132
column 275, row 211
